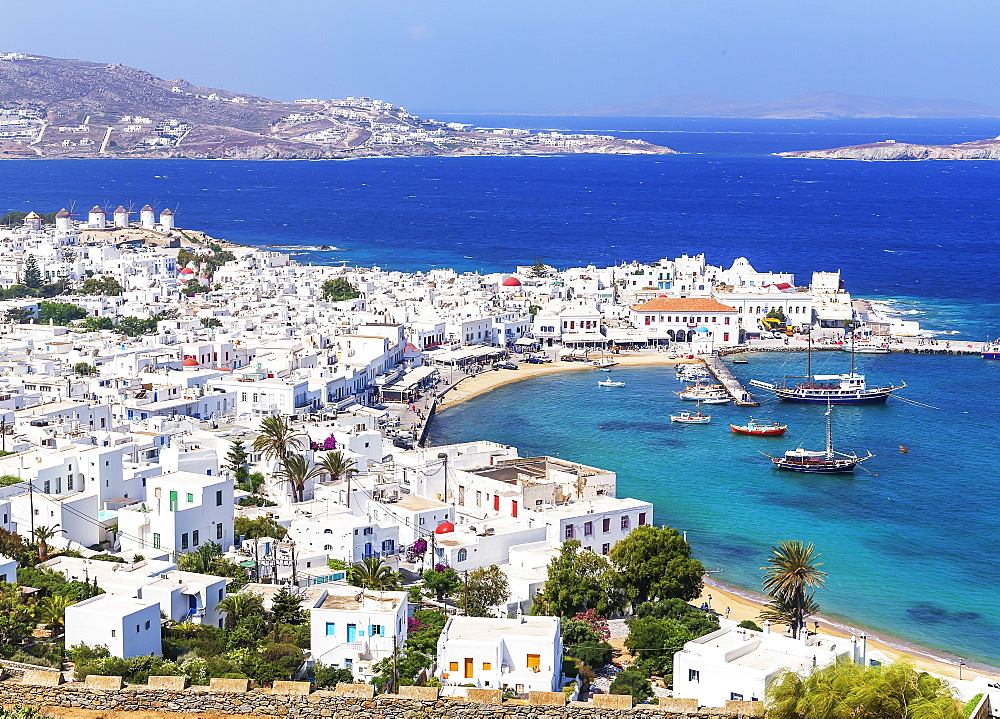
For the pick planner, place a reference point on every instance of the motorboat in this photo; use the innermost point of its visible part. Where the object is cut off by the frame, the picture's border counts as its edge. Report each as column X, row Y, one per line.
column 610, row 383
column 691, row 418
column 760, row 429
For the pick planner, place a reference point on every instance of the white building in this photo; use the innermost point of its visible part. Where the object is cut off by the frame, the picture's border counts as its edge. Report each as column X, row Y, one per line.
column 8, row 570
column 182, row 510
column 738, row 664
column 127, row 627
column 523, row 654
column 355, row 628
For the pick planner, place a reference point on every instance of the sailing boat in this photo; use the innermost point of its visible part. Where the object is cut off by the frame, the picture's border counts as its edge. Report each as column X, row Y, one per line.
column 825, row 462
column 849, row 388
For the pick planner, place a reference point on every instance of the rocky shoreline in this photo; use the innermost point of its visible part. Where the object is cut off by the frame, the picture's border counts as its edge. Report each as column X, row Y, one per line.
column 891, row 150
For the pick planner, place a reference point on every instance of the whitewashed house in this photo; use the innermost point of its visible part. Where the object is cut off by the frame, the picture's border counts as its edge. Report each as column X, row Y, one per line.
column 127, row 627
column 355, row 628
column 523, row 654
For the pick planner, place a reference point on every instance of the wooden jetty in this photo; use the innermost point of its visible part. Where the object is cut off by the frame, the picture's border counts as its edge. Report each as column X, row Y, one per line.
column 738, row 393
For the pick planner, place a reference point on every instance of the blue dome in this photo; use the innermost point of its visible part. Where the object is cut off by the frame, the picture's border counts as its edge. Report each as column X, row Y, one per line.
column 702, row 329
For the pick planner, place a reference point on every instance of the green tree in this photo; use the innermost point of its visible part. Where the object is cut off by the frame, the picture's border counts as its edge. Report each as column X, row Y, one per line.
column 32, row 276
column 337, row 466
column 656, row 564
column 277, row 438
column 240, row 606
column 195, row 288
column 485, row 588
column 12, row 544
column 237, row 461
column 749, row 624
column 257, row 528
column 84, row 370
column 593, row 654
column 211, row 322
column 373, row 573
column 13, row 219
column 578, row 580
column 326, row 677
column 42, row 536
column 103, row 285
column 442, row 581
column 338, row 290
column 18, row 315
column 16, row 619
column 538, row 269
column 296, row 471
column 632, row 682
column 201, row 559
column 53, row 611
column 777, row 314
column 423, row 630
column 60, row 313
column 285, row 608
column 845, row 689
column 659, row 629
column 792, row 578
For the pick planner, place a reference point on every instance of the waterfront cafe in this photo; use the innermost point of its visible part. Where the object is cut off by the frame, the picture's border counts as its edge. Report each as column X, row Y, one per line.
column 463, row 356
column 407, row 387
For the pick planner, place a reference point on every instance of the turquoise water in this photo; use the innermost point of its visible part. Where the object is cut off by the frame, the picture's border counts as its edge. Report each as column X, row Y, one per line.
column 910, row 548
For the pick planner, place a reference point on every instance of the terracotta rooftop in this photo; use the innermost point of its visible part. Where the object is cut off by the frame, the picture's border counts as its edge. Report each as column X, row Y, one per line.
column 683, row 304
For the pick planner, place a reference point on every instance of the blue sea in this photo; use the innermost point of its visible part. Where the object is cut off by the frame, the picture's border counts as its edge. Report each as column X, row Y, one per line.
column 911, row 551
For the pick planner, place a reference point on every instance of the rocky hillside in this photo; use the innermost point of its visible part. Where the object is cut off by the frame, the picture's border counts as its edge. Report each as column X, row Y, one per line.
column 978, row 150
column 57, row 108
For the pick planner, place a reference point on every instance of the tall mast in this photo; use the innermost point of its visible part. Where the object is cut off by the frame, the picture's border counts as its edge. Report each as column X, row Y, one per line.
column 809, row 356
column 829, row 431
column 852, row 348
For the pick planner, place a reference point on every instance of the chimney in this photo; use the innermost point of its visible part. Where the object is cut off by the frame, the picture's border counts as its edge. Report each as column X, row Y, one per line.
column 767, row 626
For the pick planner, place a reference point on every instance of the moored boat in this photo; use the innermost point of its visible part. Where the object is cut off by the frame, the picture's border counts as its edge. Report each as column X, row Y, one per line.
column 691, row 418
column 609, row 383
column 760, row 429
column 740, row 359
column 847, row 388
column 826, row 461
column 991, row 350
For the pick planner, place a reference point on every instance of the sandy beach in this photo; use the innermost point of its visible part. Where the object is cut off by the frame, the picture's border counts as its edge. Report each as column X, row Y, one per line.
column 486, row 381
column 742, row 604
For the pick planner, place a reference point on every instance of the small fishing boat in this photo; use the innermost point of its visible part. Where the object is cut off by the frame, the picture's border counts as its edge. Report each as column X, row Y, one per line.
column 819, row 462
column 691, row 418
column 760, row 429
column 740, row 360
column 991, row 350
column 714, row 400
column 609, row 383
column 604, row 363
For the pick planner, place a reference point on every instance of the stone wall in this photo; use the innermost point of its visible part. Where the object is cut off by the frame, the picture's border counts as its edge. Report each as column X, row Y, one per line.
column 314, row 705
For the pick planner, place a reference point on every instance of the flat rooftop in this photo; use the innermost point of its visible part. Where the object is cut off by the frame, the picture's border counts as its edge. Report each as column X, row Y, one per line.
column 478, row 628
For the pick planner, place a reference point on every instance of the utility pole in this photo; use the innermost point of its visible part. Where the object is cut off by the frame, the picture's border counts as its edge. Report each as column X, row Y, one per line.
column 295, row 581
column 443, row 456
column 465, row 594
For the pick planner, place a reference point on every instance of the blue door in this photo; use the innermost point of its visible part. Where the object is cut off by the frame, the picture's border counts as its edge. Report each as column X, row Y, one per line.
column 352, row 632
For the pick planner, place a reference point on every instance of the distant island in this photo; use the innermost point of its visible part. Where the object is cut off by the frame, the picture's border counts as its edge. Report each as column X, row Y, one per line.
column 54, row 108
column 892, row 150
column 817, row 106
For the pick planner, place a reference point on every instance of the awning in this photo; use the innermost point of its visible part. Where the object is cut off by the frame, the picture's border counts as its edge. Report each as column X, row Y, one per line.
column 526, row 342
column 410, row 380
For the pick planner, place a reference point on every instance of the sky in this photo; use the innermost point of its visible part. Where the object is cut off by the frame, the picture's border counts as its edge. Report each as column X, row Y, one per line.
column 543, row 56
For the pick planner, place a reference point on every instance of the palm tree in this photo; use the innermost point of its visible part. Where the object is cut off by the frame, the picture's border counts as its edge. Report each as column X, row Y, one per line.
column 239, row 606
column 201, row 559
column 277, row 438
column 42, row 536
column 338, row 466
column 53, row 611
column 790, row 580
column 373, row 573
column 296, row 470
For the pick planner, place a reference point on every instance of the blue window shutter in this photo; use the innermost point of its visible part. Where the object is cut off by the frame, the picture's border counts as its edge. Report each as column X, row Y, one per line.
column 330, row 629
column 381, row 630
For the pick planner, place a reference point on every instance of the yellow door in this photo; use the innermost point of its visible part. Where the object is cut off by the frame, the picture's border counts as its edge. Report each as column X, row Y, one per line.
column 534, row 660
column 468, row 667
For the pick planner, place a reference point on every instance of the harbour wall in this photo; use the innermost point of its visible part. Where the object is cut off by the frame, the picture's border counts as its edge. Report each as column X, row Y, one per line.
column 354, row 701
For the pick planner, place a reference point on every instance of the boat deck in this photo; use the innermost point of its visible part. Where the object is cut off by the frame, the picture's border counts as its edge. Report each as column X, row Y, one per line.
column 733, row 388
